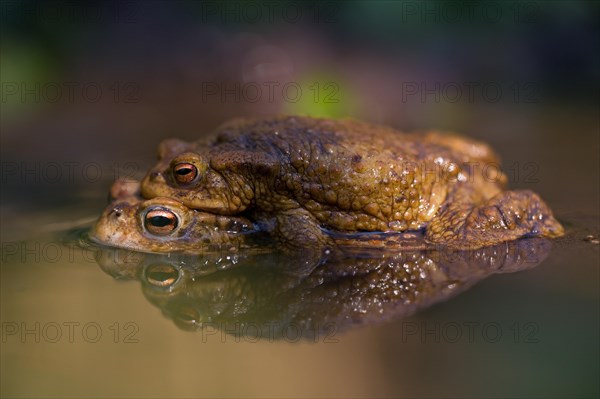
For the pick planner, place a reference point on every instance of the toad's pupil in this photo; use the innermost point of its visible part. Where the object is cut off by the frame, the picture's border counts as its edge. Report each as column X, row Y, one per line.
column 183, row 171
column 161, row 275
column 161, row 221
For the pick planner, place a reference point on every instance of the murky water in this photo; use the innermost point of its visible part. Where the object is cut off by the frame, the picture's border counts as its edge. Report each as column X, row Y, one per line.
column 79, row 320
column 74, row 318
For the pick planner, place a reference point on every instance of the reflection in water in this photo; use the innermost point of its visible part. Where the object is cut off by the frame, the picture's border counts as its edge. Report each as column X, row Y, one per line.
column 267, row 296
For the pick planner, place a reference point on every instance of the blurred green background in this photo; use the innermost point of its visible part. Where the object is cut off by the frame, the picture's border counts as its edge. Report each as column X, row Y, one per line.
column 90, row 89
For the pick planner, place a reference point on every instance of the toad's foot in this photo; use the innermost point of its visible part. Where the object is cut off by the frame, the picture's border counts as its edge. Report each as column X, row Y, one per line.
column 505, row 217
column 299, row 235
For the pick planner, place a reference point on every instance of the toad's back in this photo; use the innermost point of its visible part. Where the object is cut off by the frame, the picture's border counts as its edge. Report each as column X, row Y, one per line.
column 353, row 175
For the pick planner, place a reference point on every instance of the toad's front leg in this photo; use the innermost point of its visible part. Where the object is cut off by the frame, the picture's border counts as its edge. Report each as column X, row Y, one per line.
column 297, row 236
column 298, row 229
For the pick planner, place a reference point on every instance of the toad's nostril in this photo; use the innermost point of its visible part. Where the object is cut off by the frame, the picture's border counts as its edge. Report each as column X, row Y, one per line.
column 116, row 212
column 156, row 177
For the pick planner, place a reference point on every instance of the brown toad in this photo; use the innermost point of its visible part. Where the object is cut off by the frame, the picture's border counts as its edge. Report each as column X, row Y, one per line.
column 164, row 225
column 315, row 174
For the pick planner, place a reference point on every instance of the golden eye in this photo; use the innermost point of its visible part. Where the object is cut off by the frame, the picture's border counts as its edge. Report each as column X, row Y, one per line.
column 160, row 221
column 161, row 275
column 185, row 172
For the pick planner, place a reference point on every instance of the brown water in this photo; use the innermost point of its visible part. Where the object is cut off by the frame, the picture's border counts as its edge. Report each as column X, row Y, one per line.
column 154, row 326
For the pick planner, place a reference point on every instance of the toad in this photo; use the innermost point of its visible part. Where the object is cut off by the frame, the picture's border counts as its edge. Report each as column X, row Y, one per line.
column 164, row 225
column 314, row 175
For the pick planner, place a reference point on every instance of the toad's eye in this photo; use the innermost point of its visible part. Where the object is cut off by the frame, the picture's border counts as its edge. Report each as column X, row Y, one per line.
column 185, row 173
column 160, row 222
column 162, row 275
